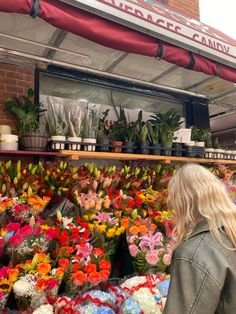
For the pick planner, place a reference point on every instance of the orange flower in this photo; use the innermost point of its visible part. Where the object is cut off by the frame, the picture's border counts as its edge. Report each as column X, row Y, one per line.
column 41, row 256
column 60, row 272
column 43, row 268
column 143, row 229
column 95, row 278
column 99, row 252
column 64, row 263
column 134, row 230
column 104, row 274
column 90, row 268
column 79, row 278
column 153, row 227
column 125, row 222
column 104, row 265
column 13, row 274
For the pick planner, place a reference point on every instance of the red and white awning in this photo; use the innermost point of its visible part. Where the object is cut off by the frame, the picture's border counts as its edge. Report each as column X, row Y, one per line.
column 175, row 39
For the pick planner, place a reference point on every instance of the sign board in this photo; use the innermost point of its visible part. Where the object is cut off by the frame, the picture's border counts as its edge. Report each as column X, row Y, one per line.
column 182, row 135
column 158, row 20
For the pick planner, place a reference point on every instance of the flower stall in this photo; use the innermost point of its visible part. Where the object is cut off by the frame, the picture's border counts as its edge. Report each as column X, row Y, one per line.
column 86, row 239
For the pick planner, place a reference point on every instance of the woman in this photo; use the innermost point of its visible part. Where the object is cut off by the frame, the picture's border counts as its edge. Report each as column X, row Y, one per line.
column 204, row 262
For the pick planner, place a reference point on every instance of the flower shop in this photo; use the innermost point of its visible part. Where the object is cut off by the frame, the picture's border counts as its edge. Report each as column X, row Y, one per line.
column 85, row 226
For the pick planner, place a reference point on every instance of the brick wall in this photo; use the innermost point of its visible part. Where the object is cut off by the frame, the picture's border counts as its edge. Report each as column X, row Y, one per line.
column 14, row 81
column 187, row 7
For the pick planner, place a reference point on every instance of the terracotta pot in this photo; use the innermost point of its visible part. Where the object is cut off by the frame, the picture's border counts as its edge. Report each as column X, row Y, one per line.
column 118, row 147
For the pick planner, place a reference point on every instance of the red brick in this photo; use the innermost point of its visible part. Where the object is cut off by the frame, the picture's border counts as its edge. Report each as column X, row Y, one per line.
column 15, row 75
column 24, row 84
column 8, row 81
column 15, row 89
column 2, row 73
column 28, row 78
column 27, row 70
column 9, row 67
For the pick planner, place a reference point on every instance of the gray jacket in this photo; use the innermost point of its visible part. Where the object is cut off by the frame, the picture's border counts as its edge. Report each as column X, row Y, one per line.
column 203, row 276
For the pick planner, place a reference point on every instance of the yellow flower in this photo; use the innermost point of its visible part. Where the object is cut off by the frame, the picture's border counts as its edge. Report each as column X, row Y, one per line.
column 142, row 196
column 111, row 232
column 5, row 285
column 45, row 227
column 86, row 217
column 150, row 198
column 102, row 228
column 3, row 232
column 91, row 226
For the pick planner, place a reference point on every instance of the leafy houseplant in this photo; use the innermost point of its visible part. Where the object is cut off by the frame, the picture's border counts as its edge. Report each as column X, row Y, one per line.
column 104, row 131
column 130, row 136
column 27, row 113
column 168, row 122
column 90, row 126
column 153, row 134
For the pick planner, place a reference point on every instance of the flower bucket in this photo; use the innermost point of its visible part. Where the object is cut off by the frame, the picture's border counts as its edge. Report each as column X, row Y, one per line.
column 34, row 142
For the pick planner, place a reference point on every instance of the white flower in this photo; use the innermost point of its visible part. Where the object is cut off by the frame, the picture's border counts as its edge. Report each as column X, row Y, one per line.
column 44, row 309
column 66, row 221
column 22, row 288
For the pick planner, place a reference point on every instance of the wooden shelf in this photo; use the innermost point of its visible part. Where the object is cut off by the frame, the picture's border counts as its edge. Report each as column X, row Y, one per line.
column 25, row 153
column 76, row 155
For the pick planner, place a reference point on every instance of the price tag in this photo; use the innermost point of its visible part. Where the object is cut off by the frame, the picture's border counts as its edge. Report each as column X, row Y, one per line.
column 182, row 135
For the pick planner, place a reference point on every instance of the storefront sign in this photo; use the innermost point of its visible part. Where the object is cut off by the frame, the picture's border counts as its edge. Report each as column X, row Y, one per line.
column 158, row 20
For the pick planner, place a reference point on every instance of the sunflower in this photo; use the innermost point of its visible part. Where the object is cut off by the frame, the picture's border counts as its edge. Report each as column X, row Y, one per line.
column 5, row 285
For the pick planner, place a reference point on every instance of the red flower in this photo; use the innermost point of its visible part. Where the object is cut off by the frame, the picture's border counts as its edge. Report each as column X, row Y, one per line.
column 79, row 278
column 99, row 252
column 52, row 233
column 104, row 264
column 64, row 263
column 95, row 278
column 105, row 274
column 13, row 226
column 90, row 268
column 138, row 201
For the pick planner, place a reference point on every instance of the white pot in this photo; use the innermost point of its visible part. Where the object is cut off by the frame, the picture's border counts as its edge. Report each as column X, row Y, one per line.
column 209, row 153
column 58, row 138
column 89, row 148
column 218, row 153
column 74, row 140
column 8, row 142
column 5, row 129
column 200, row 144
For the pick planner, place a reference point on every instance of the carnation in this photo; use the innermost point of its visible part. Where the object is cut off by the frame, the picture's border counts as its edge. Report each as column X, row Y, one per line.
column 23, row 288
column 44, row 309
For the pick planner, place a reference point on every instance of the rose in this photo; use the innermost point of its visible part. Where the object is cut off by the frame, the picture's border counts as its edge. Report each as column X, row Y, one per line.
column 133, row 249
column 166, row 259
column 103, row 264
column 152, row 257
column 13, row 226
column 95, row 278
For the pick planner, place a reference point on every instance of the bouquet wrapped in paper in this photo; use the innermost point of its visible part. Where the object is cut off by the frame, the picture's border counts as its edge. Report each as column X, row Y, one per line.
column 149, row 247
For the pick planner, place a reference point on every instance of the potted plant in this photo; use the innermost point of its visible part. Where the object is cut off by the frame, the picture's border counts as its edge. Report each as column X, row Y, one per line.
column 90, row 127
column 103, row 132
column 56, row 123
column 117, row 131
column 168, row 122
column 153, row 134
column 74, row 118
column 27, row 113
column 130, row 136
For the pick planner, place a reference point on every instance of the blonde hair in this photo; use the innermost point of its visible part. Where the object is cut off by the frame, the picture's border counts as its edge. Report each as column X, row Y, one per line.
column 195, row 193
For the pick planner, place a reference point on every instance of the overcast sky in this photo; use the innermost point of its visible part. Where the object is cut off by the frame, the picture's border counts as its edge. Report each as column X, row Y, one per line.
column 220, row 14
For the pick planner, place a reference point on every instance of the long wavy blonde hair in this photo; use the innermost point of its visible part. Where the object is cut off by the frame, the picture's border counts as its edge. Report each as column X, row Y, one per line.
column 195, row 193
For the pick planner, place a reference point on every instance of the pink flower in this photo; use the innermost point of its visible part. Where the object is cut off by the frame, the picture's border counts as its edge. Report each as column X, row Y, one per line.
column 133, row 249
column 51, row 283
column 1, row 294
column 16, row 239
column 13, row 226
column 132, row 239
column 152, row 257
column 26, row 231
column 166, row 259
column 84, row 250
column 4, row 272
